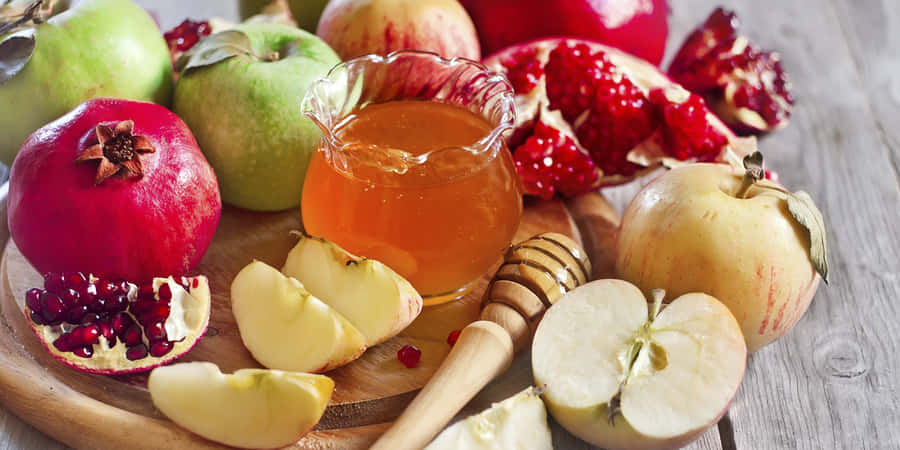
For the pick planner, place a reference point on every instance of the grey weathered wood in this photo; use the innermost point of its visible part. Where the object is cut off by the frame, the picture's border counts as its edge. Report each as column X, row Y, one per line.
column 832, row 382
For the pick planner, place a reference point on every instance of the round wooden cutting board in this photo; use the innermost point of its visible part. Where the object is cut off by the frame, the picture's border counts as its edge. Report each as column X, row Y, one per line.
column 94, row 411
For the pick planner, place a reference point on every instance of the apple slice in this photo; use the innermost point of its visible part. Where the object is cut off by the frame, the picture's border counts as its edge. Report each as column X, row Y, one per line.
column 620, row 376
column 517, row 422
column 375, row 299
column 251, row 408
column 287, row 328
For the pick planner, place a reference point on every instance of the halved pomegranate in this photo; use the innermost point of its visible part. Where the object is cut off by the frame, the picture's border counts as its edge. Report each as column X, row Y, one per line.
column 622, row 115
column 115, row 327
column 744, row 85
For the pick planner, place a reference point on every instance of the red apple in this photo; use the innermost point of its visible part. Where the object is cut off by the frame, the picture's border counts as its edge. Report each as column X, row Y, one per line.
column 639, row 27
column 358, row 27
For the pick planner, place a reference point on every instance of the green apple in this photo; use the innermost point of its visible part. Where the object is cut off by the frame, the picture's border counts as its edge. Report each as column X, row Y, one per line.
column 305, row 12
column 245, row 112
column 85, row 49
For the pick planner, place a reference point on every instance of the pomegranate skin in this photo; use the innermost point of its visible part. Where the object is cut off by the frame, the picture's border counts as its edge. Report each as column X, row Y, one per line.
column 639, row 27
column 130, row 228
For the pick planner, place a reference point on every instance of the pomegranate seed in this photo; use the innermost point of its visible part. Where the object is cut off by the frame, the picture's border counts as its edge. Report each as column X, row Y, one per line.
column 84, row 352
column 36, row 317
column 86, row 293
column 158, row 312
column 52, row 307
column 186, row 34
column 33, row 299
column 453, row 337
column 64, row 343
column 105, row 288
column 85, row 335
column 137, row 352
column 90, row 318
column 409, row 355
column 132, row 336
column 165, row 293
column 122, row 288
column 142, row 307
column 76, row 314
column 145, row 292
column 156, row 331
column 106, row 330
column 120, row 322
column 195, row 283
column 54, row 282
column 116, row 303
column 98, row 305
column 160, row 348
column 69, row 297
column 73, row 280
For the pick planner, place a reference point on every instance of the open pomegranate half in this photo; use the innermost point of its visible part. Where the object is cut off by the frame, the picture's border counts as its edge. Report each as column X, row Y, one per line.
column 116, row 327
column 590, row 115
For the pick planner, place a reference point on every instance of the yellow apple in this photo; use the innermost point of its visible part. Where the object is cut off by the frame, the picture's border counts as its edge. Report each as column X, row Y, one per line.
column 375, row 299
column 691, row 231
column 620, row 374
column 251, row 408
column 287, row 328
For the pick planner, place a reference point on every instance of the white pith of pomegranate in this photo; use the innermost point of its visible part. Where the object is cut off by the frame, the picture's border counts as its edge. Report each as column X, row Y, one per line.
column 744, row 85
column 619, row 110
column 116, row 327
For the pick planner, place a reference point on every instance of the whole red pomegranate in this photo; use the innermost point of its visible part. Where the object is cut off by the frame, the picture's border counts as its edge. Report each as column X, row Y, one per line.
column 590, row 115
column 116, row 188
column 639, row 27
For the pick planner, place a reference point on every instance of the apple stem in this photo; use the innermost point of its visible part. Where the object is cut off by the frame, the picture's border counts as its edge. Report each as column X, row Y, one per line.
column 753, row 172
column 34, row 12
column 273, row 56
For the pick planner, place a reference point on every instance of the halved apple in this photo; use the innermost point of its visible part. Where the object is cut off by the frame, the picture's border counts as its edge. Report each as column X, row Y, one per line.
column 375, row 299
column 251, row 408
column 287, row 328
column 517, row 422
column 622, row 375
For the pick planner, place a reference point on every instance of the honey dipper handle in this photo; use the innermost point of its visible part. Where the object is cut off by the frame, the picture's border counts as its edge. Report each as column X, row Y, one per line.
column 484, row 351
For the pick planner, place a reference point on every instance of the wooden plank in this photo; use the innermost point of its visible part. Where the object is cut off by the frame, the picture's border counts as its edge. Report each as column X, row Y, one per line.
column 831, row 383
column 871, row 31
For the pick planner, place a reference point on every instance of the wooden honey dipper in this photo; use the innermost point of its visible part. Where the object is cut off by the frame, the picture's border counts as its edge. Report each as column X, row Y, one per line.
column 534, row 275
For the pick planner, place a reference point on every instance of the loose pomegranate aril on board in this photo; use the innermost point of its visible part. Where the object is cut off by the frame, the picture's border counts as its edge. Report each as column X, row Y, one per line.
column 409, row 355
column 453, row 337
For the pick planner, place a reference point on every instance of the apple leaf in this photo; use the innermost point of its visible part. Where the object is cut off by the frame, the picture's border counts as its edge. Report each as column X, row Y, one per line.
column 15, row 51
column 215, row 48
column 805, row 211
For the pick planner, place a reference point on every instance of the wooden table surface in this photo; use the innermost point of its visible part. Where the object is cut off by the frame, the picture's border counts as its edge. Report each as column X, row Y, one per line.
column 833, row 381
